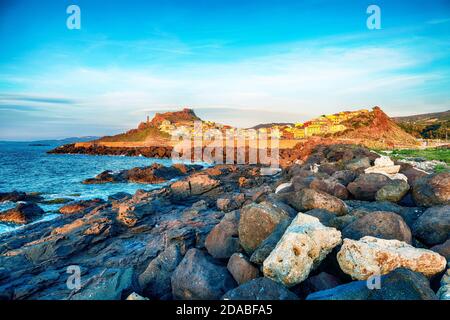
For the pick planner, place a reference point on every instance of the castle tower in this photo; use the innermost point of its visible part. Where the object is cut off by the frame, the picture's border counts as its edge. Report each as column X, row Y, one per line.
column 148, row 119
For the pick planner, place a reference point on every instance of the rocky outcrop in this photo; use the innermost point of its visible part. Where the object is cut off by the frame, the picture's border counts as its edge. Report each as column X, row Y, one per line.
column 372, row 256
column 379, row 224
column 305, row 243
column 433, row 226
column 16, row 196
column 260, row 289
column 23, row 213
column 81, row 206
column 194, row 185
column 308, row 199
column 199, row 277
column 257, row 222
column 432, row 190
column 156, row 173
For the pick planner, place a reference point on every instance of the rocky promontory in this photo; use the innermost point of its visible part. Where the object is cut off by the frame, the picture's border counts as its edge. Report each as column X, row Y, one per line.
column 318, row 230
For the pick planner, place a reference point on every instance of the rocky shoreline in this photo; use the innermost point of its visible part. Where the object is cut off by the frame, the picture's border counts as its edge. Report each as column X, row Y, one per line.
column 319, row 230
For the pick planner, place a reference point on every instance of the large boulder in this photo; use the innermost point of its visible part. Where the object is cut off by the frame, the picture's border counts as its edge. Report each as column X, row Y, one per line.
column 260, row 289
column 394, row 191
column 344, row 176
column 366, row 185
column 257, row 222
column 372, row 256
column 241, row 269
column 16, row 196
column 432, row 190
column 305, row 243
column 223, row 239
column 330, row 186
column 400, row 284
column 198, row 277
column 358, row 163
column 379, row 224
column 155, row 280
column 433, row 226
column 308, row 199
column 23, row 213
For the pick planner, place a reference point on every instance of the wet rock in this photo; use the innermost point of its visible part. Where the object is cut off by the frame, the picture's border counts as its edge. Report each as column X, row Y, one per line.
column 223, row 239
column 111, row 284
column 119, row 196
column 443, row 249
column 80, row 206
column 257, row 222
column 198, row 277
column 308, row 199
column 305, row 243
column 372, row 256
column 267, row 246
column 432, row 190
column 400, row 284
column 260, row 289
column 155, row 280
column 433, row 226
column 23, row 213
column 330, row 186
column 379, row 224
column 366, row 186
column 241, row 269
column 16, row 196
column 394, row 191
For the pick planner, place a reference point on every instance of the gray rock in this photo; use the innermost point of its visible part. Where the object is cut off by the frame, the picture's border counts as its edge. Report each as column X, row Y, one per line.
column 394, row 191
column 223, row 239
column 260, row 289
column 433, row 226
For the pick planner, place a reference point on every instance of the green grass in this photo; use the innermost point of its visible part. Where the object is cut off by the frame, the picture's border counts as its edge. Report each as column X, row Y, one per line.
column 440, row 154
column 137, row 135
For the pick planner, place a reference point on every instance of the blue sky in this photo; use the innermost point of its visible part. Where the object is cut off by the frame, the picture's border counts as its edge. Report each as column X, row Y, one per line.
column 238, row 62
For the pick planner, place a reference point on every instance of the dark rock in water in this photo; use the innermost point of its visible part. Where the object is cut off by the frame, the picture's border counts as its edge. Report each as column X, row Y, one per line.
column 23, row 213
column 400, row 284
column 379, row 224
column 156, row 173
column 394, row 191
column 260, row 289
column 443, row 249
column 241, row 269
column 366, row 186
column 433, row 226
column 119, row 196
column 432, row 190
column 112, row 284
column 16, row 196
column 197, row 277
column 155, row 280
column 81, row 206
column 266, row 247
column 319, row 282
column 308, row 199
column 223, row 239
column 257, row 222
column 344, row 176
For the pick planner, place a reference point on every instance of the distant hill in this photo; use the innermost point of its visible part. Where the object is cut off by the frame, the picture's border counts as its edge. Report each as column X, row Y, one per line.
column 270, row 125
column 427, row 126
column 375, row 128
